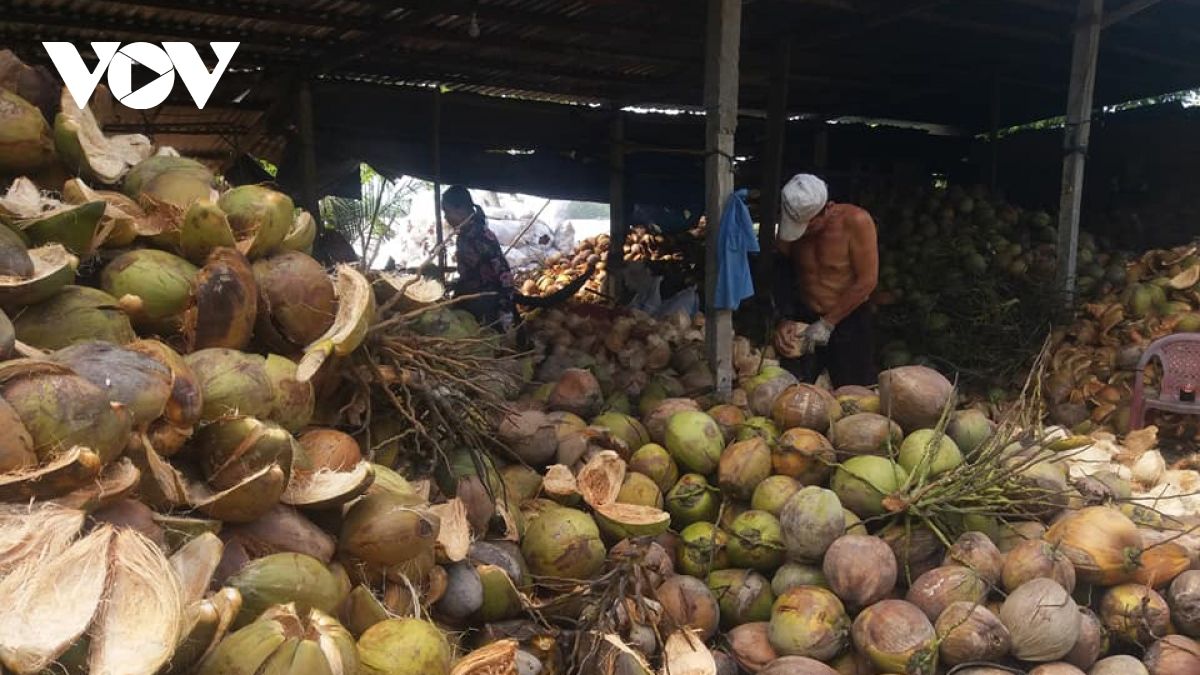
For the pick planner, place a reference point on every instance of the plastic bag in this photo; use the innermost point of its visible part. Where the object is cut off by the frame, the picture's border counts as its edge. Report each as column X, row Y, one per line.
column 686, row 301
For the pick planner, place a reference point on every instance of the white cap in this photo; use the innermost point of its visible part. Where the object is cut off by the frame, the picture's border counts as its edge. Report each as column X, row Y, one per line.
column 803, row 198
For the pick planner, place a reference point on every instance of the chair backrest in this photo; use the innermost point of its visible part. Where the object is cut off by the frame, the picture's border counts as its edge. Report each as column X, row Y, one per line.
column 1180, row 358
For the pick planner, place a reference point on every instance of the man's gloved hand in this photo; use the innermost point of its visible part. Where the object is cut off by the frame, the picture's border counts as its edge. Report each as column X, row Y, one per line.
column 789, row 339
column 817, row 335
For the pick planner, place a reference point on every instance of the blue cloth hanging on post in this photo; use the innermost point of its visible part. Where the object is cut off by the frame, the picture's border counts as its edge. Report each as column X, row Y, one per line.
column 737, row 241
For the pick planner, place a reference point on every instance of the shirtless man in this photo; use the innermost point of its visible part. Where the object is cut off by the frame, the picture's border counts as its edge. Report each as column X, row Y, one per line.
column 829, row 266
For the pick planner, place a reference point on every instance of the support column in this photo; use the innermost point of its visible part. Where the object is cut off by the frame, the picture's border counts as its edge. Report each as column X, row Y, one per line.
column 1075, row 143
column 617, row 208
column 720, row 110
column 772, row 154
column 310, row 200
column 436, row 152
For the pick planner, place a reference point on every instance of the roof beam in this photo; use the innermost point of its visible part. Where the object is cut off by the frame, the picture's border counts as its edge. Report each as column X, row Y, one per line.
column 259, row 11
column 1125, row 11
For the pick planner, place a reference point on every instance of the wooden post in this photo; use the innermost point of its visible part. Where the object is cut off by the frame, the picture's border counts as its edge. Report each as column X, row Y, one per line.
column 436, row 150
column 308, row 152
column 720, row 111
column 1075, row 142
column 617, row 209
column 772, row 154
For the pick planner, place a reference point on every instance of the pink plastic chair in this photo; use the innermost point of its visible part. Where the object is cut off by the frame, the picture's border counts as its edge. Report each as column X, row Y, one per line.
column 1179, row 355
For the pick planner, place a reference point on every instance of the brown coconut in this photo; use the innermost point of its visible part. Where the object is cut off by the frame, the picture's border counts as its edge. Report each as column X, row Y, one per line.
column 976, row 551
column 806, row 406
column 296, row 303
column 224, row 303
column 914, row 396
column 330, row 450
column 531, row 434
column 1173, row 655
column 577, row 391
column 860, row 570
column 865, row 434
column 687, row 602
column 656, row 421
column 971, row 632
column 751, row 646
column 803, row 454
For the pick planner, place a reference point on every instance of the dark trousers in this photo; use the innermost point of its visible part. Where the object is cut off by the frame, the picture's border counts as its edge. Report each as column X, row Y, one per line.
column 849, row 357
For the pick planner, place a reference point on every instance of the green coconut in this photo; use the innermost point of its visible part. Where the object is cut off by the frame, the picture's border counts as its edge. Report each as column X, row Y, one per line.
column 387, row 529
column 563, row 543
column 862, row 483
column 76, row 227
column 294, row 401
column 153, row 287
column 284, row 640
column 135, row 380
column 809, row 621
column 744, row 596
column 970, row 429
column 654, row 461
column 296, row 303
column 404, row 647
column 204, row 229
column 692, row 500
column 929, row 453
column 762, row 389
column 624, row 427
column 701, row 549
column 640, row 490
column 84, row 149
column 695, row 441
column 284, row 578
column 756, row 541
column 25, row 143
column 172, row 180
column 792, row 575
column 761, row 427
column 74, row 314
column 61, row 409
column 260, row 218
column 234, row 448
column 811, row 520
column 773, row 493
column 232, row 383
column 184, row 406
column 14, row 258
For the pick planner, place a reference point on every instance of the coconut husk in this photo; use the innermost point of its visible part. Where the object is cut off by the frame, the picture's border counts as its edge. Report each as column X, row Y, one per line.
column 283, row 529
column 195, row 563
column 599, row 481
column 684, row 653
column 130, row 514
column 415, row 291
column 50, row 603
column 498, row 658
column 161, row 486
column 245, row 501
column 31, row 534
column 560, row 485
column 355, row 312
column 16, row 445
column 59, row 476
column 116, row 481
column 142, row 620
column 454, row 536
column 326, row 489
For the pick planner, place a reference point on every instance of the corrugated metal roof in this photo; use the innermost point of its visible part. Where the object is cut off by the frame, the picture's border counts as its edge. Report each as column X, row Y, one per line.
column 905, row 59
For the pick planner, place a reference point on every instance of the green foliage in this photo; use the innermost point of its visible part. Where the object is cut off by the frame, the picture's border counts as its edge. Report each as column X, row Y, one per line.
column 370, row 221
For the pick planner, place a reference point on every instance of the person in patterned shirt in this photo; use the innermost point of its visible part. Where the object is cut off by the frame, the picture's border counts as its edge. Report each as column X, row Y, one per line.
column 482, row 268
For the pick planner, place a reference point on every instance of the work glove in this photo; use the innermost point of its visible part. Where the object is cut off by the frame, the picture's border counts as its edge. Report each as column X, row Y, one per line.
column 789, row 339
column 817, row 335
